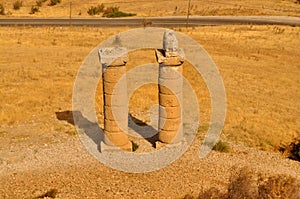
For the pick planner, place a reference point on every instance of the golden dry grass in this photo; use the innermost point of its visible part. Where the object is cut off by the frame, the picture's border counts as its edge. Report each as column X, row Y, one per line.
column 247, row 183
column 259, row 65
column 162, row 7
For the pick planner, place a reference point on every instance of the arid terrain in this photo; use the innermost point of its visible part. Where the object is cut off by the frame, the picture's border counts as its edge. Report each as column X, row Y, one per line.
column 161, row 8
column 42, row 156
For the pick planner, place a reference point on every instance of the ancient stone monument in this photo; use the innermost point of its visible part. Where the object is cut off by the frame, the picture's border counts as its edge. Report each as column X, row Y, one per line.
column 170, row 60
column 170, row 83
column 113, row 62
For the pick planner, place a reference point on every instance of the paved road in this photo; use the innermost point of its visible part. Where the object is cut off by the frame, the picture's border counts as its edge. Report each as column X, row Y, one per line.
column 156, row 21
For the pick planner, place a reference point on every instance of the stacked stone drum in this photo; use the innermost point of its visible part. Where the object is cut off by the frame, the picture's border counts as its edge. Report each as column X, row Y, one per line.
column 170, row 81
column 113, row 62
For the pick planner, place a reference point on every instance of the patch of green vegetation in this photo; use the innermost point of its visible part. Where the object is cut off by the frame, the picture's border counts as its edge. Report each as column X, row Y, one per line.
column 222, row 147
column 109, row 12
column 39, row 3
column 17, row 5
column 34, row 9
column 135, row 146
column 119, row 14
column 96, row 10
column 114, row 12
column 54, row 2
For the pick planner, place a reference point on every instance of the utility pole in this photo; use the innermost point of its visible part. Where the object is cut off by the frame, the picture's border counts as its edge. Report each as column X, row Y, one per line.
column 70, row 13
column 188, row 14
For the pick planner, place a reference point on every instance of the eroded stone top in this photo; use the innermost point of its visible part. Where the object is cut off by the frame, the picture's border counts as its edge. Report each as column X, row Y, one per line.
column 170, row 42
column 114, row 56
column 170, row 55
column 173, row 59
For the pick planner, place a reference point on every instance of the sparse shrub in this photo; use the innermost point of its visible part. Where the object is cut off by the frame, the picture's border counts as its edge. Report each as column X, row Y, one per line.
column 295, row 150
column 135, row 146
column 39, row 3
column 49, row 194
column 34, row 9
column 280, row 186
column 278, row 30
column 292, row 150
column 114, row 12
column 221, row 147
column 111, row 9
column 96, row 10
column 120, row 14
column 247, row 183
column 2, row 9
column 17, row 5
column 54, row 2
column 243, row 184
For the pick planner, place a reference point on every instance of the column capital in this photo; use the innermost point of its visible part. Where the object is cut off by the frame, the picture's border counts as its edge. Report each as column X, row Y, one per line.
column 113, row 56
column 170, row 58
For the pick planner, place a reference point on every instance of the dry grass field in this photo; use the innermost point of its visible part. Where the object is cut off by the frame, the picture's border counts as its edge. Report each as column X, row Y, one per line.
column 161, row 8
column 260, row 68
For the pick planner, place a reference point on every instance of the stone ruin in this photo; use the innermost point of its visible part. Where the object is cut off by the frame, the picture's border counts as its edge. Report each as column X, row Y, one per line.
column 170, row 83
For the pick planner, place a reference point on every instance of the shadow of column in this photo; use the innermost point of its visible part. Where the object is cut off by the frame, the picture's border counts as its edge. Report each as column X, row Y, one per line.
column 137, row 125
column 91, row 129
column 96, row 133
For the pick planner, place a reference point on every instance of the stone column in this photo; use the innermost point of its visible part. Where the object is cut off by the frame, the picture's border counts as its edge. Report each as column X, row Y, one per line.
column 170, row 60
column 113, row 62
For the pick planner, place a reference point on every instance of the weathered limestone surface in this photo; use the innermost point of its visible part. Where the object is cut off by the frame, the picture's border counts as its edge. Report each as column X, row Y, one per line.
column 170, row 60
column 113, row 62
column 115, row 56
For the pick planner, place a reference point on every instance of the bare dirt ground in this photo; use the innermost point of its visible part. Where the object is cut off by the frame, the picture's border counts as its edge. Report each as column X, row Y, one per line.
column 160, row 8
column 40, row 151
